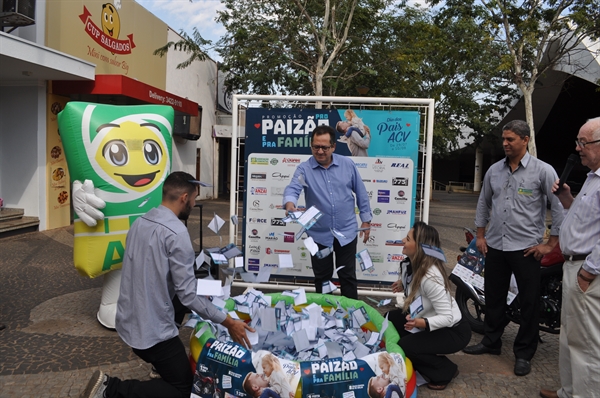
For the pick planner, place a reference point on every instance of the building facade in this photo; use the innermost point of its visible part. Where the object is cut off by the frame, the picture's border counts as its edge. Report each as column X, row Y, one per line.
column 93, row 51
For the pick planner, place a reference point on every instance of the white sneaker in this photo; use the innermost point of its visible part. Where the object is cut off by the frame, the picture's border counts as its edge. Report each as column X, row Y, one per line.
column 96, row 386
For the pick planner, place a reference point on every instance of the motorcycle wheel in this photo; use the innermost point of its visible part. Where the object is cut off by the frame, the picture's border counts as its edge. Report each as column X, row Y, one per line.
column 472, row 311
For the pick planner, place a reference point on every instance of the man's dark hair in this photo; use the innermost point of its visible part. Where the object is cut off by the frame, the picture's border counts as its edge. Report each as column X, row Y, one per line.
column 519, row 127
column 324, row 129
column 176, row 184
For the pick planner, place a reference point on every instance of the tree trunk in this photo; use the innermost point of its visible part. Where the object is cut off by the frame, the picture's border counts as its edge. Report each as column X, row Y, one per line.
column 478, row 169
column 319, row 86
column 527, row 97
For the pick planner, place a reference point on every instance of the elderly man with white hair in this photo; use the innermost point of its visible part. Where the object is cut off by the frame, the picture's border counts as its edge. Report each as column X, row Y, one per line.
column 579, row 353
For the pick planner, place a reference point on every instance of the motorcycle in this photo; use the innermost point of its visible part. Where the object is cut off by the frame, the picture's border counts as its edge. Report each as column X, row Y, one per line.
column 470, row 296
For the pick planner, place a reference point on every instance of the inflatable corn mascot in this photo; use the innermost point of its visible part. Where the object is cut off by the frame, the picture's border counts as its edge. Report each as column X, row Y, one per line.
column 118, row 159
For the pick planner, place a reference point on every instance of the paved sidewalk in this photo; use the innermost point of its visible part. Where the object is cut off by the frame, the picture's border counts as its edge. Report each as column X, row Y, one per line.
column 52, row 342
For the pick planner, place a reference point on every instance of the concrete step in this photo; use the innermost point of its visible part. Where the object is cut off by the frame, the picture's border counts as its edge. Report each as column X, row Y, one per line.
column 8, row 213
column 17, row 226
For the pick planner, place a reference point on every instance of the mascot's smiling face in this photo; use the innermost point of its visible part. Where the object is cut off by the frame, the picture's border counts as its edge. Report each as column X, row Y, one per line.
column 132, row 154
column 111, row 23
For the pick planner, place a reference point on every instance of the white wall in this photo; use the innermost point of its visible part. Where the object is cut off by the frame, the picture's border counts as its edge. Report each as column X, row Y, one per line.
column 198, row 83
column 22, row 149
column 36, row 32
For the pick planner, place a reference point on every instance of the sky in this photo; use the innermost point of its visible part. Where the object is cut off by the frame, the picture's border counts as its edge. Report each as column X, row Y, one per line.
column 183, row 14
column 186, row 14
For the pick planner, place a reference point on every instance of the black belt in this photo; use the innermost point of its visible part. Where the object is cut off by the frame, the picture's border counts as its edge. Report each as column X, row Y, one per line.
column 575, row 257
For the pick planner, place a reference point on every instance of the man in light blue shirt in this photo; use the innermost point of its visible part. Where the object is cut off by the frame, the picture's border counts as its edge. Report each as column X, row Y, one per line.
column 330, row 183
column 158, row 265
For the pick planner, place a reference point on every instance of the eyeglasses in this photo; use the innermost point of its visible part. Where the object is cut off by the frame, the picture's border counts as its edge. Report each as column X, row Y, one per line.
column 583, row 144
column 318, row 148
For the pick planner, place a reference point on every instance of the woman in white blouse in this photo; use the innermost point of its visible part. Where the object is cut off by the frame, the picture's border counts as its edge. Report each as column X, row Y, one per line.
column 436, row 327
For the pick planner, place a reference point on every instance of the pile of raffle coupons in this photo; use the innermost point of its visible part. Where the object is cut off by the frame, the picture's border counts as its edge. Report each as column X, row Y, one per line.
column 300, row 332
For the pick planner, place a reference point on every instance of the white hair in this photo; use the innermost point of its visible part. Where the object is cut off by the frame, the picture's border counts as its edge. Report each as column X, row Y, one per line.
column 594, row 125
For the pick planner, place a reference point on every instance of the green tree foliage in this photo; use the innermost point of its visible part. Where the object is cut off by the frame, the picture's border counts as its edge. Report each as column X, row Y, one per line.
column 330, row 47
column 293, row 46
column 416, row 53
column 534, row 35
column 193, row 45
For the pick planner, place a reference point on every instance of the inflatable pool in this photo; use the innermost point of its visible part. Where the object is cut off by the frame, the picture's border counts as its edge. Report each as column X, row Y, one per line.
column 225, row 369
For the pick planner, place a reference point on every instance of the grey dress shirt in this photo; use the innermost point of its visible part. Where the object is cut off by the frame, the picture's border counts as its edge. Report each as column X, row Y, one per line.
column 158, row 263
column 514, row 204
column 580, row 232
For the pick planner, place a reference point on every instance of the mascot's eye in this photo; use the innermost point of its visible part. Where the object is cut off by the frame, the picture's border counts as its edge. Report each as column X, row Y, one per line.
column 115, row 152
column 105, row 16
column 152, row 152
column 111, row 19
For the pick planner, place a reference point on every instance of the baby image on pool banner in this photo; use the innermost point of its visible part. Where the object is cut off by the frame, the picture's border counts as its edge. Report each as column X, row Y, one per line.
column 226, row 369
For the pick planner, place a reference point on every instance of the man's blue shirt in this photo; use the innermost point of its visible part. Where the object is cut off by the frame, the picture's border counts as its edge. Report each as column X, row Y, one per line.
column 332, row 190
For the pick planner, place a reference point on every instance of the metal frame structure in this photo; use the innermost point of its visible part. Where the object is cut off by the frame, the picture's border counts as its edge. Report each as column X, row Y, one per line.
column 425, row 105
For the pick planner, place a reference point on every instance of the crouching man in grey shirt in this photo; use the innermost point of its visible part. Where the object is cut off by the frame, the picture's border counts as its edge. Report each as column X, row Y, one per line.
column 157, row 266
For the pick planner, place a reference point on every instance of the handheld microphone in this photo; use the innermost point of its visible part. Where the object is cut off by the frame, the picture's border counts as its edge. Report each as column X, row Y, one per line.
column 571, row 161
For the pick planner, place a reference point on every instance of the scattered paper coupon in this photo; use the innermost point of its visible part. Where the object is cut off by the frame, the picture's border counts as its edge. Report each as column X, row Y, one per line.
column 203, row 329
column 292, row 216
column 234, row 219
column 252, row 336
column 300, row 296
column 384, row 302
column 366, row 264
column 416, row 307
column 226, row 291
column 300, row 233
column 434, row 252
column 263, row 275
column 204, row 184
column 191, row 323
column 231, row 251
column 324, row 253
column 384, row 325
column 310, row 217
column 218, row 258
column 206, row 287
column 219, row 303
column 301, row 340
column 311, row 245
column 239, row 262
column 286, row 261
column 216, row 223
column 374, row 339
column 269, row 319
column 329, row 287
column 249, row 277
column 200, row 259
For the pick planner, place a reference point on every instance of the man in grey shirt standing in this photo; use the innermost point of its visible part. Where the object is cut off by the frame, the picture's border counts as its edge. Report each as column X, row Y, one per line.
column 158, row 265
column 512, row 204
